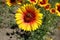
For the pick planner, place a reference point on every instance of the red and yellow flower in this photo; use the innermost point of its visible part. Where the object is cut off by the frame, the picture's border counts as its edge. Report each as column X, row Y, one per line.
column 19, row 1
column 52, row 10
column 57, row 6
column 28, row 17
column 33, row 1
column 48, row 6
column 42, row 3
column 13, row 2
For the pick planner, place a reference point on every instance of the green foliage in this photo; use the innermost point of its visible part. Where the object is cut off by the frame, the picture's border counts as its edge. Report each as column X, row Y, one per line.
column 0, row 19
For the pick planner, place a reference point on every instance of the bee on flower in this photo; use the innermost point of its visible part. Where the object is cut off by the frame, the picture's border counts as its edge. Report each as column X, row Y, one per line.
column 28, row 17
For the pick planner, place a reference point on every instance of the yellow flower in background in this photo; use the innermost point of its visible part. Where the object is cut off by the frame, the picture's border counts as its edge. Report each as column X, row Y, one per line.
column 28, row 17
column 57, row 6
column 13, row 2
column 33, row 1
column 42, row 3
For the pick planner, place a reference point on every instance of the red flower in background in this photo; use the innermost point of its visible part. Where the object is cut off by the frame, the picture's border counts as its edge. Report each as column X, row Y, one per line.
column 33, row 1
column 42, row 2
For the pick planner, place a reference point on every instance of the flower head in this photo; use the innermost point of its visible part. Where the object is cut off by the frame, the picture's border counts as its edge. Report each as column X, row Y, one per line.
column 28, row 17
column 52, row 10
column 19, row 1
column 47, row 7
column 13, row 2
column 57, row 6
column 42, row 3
column 33, row 1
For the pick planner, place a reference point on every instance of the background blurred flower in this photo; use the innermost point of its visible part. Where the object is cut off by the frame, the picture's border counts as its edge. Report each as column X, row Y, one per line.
column 28, row 17
column 13, row 2
column 42, row 2
column 48, row 6
column 10, row 2
column 19, row 1
column 33, row 1
column 57, row 6
column 52, row 10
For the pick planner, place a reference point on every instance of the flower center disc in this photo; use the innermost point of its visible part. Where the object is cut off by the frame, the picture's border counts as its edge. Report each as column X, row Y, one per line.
column 43, row 2
column 29, row 17
column 19, row 1
column 58, row 8
column 53, row 10
column 33, row 0
column 47, row 6
column 13, row 1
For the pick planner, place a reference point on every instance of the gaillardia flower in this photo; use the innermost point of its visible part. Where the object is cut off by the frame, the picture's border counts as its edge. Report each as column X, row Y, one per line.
column 42, row 3
column 52, row 10
column 19, row 1
column 57, row 6
column 33, row 1
column 47, row 7
column 28, row 17
column 13, row 2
